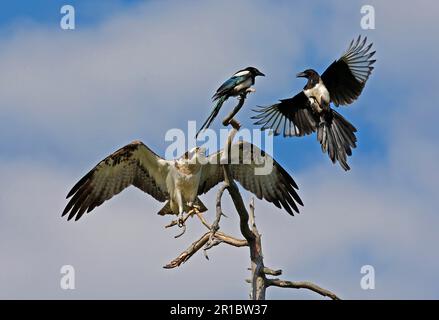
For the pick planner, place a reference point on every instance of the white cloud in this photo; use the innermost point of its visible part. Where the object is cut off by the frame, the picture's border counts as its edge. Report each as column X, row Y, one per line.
column 136, row 73
column 119, row 249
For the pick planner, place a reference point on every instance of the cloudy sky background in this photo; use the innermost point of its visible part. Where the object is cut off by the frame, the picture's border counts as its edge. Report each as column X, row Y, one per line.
column 134, row 69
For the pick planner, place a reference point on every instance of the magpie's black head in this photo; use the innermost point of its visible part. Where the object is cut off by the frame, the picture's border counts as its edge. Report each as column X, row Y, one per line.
column 255, row 72
column 310, row 74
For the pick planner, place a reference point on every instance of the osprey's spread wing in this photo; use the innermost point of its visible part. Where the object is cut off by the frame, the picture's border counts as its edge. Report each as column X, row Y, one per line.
column 135, row 164
column 257, row 172
column 345, row 78
column 291, row 116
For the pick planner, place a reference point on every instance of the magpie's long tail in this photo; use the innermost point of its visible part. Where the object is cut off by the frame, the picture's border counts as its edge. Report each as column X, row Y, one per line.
column 337, row 137
column 212, row 116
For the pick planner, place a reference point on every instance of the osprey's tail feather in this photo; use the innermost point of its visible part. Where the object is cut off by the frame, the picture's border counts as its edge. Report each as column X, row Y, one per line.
column 337, row 137
column 213, row 114
column 200, row 205
column 167, row 208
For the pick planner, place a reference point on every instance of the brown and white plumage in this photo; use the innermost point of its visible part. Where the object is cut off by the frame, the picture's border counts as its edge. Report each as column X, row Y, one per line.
column 179, row 182
column 134, row 164
column 247, row 162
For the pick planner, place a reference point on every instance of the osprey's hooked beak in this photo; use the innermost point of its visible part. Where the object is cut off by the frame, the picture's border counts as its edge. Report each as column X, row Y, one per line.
column 301, row 75
column 195, row 152
column 191, row 154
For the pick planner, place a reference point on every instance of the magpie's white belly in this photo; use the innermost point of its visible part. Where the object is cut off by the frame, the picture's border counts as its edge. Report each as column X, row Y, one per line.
column 319, row 93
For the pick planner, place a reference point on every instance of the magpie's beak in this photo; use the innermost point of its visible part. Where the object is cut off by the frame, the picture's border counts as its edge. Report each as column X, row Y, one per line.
column 301, row 75
column 259, row 73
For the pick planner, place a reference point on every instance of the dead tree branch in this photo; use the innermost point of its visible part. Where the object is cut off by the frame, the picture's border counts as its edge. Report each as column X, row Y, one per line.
column 302, row 285
column 252, row 236
column 197, row 245
column 259, row 282
column 235, row 110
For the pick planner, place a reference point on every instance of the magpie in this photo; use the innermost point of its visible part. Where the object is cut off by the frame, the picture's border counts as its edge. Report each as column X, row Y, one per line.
column 238, row 84
column 309, row 111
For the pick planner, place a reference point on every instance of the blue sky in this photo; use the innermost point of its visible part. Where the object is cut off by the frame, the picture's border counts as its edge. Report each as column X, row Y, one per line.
column 47, row 12
column 134, row 69
column 93, row 14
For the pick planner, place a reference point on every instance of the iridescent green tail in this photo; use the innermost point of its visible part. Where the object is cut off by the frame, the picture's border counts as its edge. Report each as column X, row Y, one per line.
column 212, row 116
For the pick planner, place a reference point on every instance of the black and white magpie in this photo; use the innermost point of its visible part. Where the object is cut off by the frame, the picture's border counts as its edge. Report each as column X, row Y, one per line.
column 237, row 85
column 309, row 111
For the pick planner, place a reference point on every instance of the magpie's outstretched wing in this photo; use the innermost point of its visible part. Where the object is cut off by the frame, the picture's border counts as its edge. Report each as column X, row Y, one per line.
column 293, row 117
column 135, row 164
column 345, row 78
column 257, row 172
column 228, row 86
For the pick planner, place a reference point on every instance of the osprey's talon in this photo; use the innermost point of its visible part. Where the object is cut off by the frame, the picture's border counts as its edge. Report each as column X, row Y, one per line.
column 194, row 211
column 181, row 222
column 191, row 213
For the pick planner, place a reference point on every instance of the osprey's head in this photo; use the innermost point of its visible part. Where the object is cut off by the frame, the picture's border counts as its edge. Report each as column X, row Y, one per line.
column 255, row 72
column 195, row 154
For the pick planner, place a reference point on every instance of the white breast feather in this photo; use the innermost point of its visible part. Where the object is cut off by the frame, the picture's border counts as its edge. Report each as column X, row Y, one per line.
column 244, row 85
column 319, row 92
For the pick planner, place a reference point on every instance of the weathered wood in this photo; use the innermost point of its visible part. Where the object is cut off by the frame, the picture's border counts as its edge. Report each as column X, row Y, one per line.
column 259, row 282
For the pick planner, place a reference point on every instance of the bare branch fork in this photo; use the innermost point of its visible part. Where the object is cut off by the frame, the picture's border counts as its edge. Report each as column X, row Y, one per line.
column 252, row 238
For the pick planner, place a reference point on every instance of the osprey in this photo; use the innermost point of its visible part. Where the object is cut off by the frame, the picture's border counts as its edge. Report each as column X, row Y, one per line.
column 309, row 111
column 238, row 84
column 179, row 182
